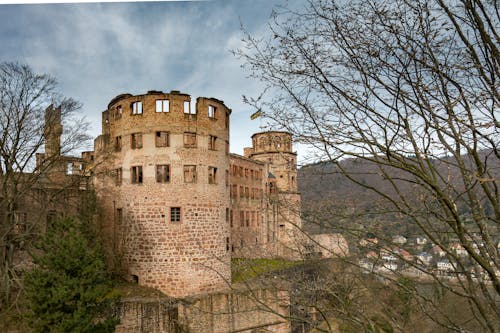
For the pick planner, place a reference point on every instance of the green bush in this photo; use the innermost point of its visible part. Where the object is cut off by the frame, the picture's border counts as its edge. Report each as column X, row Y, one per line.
column 69, row 289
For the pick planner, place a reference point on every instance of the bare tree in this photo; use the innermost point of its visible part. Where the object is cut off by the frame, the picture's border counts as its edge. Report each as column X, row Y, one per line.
column 28, row 122
column 412, row 89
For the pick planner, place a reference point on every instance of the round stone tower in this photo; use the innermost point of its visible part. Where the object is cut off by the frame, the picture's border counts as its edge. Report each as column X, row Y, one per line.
column 275, row 148
column 161, row 178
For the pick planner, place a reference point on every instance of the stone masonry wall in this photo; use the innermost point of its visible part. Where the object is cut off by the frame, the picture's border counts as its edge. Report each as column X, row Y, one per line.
column 224, row 312
column 162, row 180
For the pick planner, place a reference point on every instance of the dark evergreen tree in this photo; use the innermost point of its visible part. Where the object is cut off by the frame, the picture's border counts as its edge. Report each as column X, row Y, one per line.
column 69, row 290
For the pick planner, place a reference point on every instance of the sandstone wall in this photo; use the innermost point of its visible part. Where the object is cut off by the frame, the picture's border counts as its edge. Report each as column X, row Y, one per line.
column 163, row 182
column 232, row 311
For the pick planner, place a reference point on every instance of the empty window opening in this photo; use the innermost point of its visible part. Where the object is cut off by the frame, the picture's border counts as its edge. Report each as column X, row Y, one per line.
column 211, row 111
column 136, row 140
column 190, row 173
column 135, row 279
column 189, row 140
column 212, row 175
column 188, row 109
column 136, row 107
column 162, row 105
column 175, row 214
column 211, row 142
column 119, row 112
column 227, row 244
column 162, row 139
column 163, row 173
column 136, row 172
column 118, row 143
column 69, row 168
column 118, row 176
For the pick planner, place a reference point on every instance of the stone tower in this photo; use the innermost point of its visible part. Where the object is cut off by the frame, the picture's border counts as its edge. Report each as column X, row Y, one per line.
column 53, row 131
column 283, row 208
column 161, row 177
column 275, row 148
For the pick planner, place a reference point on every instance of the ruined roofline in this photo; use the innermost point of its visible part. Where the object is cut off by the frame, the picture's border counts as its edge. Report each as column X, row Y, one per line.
column 159, row 92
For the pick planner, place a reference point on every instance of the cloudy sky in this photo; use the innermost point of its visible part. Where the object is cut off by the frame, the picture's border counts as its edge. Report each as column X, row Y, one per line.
column 99, row 50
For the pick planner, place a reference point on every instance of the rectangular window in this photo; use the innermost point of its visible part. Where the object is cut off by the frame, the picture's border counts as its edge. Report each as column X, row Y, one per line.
column 211, row 142
column 187, row 107
column 242, row 218
column 163, row 173
column 118, row 143
column 162, row 105
column 231, row 218
column 242, row 191
column 69, row 168
column 136, row 107
column 162, row 139
column 211, row 111
column 212, row 175
column 119, row 215
column 118, row 176
column 175, row 214
column 246, row 173
column 136, row 140
column 118, row 112
column 189, row 140
column 136, row 174
column 190, row 173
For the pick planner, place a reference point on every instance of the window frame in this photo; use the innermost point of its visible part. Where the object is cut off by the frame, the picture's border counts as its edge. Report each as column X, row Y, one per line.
column 175, row 215
column 164, row 176
column 212, row 111
column 136, row 141
column 136, row 174
column 136, row 108
column 158, row 139
column 192, row 135
column 162, row 105
column 194, row 173
column 118, row 143
column 212, row 142
column 212, row 175
column 118, row 176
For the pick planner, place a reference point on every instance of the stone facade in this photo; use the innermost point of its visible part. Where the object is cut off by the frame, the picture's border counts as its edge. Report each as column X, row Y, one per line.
column 162, row 180
column 265, row 201
column 230, row 311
